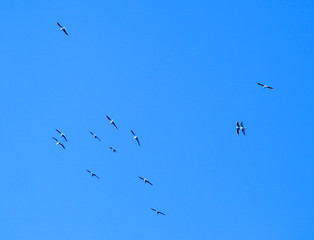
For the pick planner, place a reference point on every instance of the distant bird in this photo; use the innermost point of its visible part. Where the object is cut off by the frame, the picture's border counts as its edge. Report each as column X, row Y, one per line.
column 92, row 174
column 62, row 135
column 240, row 127
column 113, row 150
column 112, row 122
column 264, row 86
column 95, row 136
column 146, row 181
column 158, row 212
column 136, row 138
column 58, row 143
column 62, row 29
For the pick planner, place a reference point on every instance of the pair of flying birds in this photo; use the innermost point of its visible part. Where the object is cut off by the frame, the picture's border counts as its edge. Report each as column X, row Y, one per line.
column 62, row 135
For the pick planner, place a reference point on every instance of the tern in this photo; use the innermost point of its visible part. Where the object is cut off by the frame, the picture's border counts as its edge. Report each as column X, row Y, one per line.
column 146, row 181
column 62, row 29
column 62, row 135
column 158, row 212
column 264, row 86
column 136, row 138
column 95, row 136
column 92, row 174
column 240, row 127
column 113, row 150
column 58, row 143
column 112, row 122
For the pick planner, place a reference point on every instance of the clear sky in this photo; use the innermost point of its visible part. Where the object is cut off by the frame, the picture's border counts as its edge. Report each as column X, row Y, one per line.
column 180, row 74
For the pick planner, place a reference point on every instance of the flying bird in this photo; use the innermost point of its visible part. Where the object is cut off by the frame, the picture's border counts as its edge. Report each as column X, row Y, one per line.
column 146, row 181
column 62, row 135
column 113, row 150
column 95, row 136
column 240, row 127
column 264, row 86
column 112, row 122
column 62, row 29
column 92, row 174
column 136, row 138
column 58, row 143
column 158, row 212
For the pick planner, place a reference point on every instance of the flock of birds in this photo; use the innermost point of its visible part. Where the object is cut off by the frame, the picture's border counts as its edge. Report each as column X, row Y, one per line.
column 239, row 127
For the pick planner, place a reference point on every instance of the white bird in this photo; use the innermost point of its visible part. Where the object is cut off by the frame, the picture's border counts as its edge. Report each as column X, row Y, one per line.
column 146, row 181
column 92, row 174
column 240, row 127
column 158, row 212
column 112, row 122
column 95, row 136
column 136, row 138
column 58, row 143
column 62, row 135
column 113, row 150
column 62, row 29
column 264, row 86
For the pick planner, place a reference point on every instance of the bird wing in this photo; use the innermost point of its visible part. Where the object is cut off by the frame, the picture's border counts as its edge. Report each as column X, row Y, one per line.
column 111, row 148
column 138, row 142
column 132, row 132
column 141, row 178
column 260, row 84
column 153, row 209
column 243, row 131
column 65, row 138
column 270, row 87
column 58, row 131
column 61, row 145
column 65, row 32
column 108, row 118
column 55, row 139
column 92, row 133
column 162, row 213
column 96, row 176
column 238, row 131
column 149, row 182
column 59, row 24
column 88, row 171
column 242, row 124
column 115, row 126
column 98, row 138
column 238, row 124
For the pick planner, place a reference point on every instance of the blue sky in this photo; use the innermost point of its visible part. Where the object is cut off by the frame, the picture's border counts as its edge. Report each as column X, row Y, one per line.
column 180, row 74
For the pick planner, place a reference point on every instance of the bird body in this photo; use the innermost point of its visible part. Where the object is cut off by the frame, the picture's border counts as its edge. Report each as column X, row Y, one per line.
column 62, row 29
column 58, row 143
column 146, row 181
column 264, row 86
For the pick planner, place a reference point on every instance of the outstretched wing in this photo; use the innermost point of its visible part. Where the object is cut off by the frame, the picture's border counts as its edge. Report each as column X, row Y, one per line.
column 108, row 118
column 270, row 87
column 260, row 84
column 149, row 182
column 242, row 124
column 133, row 132
column 238, row 124
column 65, row 32
column 98, row 138
column 92, row 133
column 243, row 131
column 141, row 178
column 55, row 139
column 58, row 131
column 153, row 209
column 138, row 142
column 61, row 145
column 65, row 138
column 95, row 175
column 88, row 171
column 238, row 129
column 115, row 126
column 59, row 25
column 161, row 213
